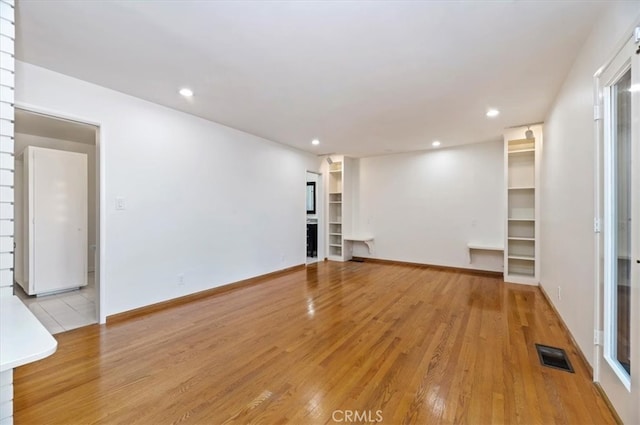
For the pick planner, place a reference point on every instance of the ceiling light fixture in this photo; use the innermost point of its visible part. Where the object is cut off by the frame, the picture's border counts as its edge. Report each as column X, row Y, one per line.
column 186, row 92
column 491, row 113
column 435, row 143
column 315, row 142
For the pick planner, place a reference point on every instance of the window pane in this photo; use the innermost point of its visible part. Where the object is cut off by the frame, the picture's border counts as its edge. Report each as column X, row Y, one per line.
column 622, row 147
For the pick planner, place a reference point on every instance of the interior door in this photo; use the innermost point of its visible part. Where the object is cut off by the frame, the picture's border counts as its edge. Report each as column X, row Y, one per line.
column 60, row 219
column 618, row 357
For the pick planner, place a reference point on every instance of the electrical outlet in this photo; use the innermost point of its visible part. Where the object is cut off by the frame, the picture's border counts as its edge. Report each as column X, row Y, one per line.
column 180, row 279
column 120, row 204
column 559, row 293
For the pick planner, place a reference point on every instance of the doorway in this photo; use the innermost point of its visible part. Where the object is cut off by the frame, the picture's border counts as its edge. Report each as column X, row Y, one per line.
column 52, row 140
column 618, row 292
column 313, row 226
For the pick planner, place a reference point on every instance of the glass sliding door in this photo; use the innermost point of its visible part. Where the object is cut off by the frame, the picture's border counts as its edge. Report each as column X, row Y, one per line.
column 620, row 216
column 617, row 366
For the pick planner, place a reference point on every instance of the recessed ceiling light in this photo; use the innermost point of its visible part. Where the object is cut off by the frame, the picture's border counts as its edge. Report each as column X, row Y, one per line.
column 634, row 88
column 315, row 142
column 435, row 143
column 186, row 92
column 493, row 113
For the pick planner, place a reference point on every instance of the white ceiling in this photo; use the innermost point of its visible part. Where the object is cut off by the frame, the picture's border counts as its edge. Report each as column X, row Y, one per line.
column 55, row 128
column 365, row 77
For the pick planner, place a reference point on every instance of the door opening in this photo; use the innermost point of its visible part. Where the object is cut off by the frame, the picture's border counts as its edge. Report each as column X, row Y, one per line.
column 68, row 151
column 618, row 245
column 313, row 217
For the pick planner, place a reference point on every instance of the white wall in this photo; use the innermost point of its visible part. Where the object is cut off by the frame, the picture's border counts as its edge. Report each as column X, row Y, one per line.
column 21, row 142
column 567, row 180
column 425, row 207
column 202, row 199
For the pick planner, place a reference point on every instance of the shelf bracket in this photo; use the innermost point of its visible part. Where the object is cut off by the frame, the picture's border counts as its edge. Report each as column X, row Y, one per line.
column 369, row 244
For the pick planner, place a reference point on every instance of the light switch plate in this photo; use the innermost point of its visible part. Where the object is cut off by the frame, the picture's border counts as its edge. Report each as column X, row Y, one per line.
column 120, row 204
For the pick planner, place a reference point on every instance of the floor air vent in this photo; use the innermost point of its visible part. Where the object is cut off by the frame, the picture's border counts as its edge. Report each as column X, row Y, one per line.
column 554, row 357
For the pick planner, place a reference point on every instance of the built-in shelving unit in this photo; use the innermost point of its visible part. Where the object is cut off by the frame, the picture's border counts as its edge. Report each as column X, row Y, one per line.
column 335, row 210
column 521, row 254
column 338, row 207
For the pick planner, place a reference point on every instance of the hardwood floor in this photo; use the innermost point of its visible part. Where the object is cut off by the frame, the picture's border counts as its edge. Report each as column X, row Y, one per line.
column 331, row 343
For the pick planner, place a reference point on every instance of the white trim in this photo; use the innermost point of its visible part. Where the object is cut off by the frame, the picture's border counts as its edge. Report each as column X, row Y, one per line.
column 55, row 114
column 605, row 78
column 319, row 216
column 597, row 301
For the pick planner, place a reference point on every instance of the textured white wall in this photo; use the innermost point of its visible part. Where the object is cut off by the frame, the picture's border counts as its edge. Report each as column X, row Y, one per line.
column 205, row 201
column 425, row 207
column 568, row 180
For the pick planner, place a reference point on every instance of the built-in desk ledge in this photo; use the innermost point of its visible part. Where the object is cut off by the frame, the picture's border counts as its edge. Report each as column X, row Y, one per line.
column 368, row 240
column 23, row 339
column 483, row 247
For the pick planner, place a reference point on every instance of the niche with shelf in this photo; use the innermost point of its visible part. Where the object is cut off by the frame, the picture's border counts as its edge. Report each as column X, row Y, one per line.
column 338, row 207
column 521, row 254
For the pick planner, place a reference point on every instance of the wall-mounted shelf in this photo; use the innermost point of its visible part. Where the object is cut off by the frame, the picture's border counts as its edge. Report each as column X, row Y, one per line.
column 474, row 246
column 367, row 240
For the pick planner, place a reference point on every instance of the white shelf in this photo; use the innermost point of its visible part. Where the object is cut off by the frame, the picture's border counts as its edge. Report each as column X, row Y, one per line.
column 522, row 219
column 335, row 202
column 366, row 239
column 335, row 222
column 336, row 245
column 483, row 247
column 521, row 151
column 522, row 188
column 513, row 238
column 521, row 257
column 335, row 234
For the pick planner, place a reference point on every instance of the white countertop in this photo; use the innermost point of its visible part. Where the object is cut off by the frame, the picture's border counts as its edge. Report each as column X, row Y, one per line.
column 358, row 238
column 23, row 339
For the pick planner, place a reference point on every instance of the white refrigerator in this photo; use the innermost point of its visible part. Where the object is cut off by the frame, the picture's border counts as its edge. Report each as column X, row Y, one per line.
column 55, row 220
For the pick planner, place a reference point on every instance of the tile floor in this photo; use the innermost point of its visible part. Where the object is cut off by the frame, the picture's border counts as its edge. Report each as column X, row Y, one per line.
column 64, row 311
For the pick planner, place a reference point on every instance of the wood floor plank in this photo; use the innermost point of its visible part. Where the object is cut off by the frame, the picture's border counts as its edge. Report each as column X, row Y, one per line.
column 417, row 345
